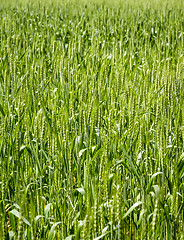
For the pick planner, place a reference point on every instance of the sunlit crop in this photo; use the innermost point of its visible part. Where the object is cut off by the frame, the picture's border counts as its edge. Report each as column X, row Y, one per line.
column 91, row 121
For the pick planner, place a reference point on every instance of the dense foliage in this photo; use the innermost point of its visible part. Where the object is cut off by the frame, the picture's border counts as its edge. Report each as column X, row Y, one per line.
column 91, row 122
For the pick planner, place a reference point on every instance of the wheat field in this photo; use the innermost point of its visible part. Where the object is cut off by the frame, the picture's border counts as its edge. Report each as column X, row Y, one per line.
column 91, row 120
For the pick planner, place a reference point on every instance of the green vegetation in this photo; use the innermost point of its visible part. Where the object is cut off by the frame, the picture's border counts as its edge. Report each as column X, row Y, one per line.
column 91, row 121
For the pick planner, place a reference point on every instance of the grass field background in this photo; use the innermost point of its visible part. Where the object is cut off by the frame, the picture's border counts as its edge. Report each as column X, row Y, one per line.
column 91, row 120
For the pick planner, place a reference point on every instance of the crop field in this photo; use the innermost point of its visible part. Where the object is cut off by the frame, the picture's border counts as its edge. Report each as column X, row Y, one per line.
column 91, row 120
